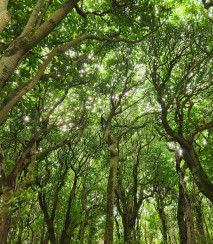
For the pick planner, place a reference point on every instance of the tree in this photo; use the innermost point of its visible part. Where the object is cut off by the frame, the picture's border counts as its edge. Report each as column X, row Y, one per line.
column 64, row 65
column 180, row 82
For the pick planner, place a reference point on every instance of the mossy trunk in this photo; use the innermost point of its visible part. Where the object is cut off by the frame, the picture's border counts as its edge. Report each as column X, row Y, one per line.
column 200, row 177
column 108, row 236
column 5, row 220
column 181, row 217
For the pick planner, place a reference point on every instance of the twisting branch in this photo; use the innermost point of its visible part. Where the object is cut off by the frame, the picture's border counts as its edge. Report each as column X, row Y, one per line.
column 22, row 89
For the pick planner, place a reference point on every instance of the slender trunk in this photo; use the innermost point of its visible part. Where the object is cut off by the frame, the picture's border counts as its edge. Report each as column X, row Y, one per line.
column 42, row 233
column 187, row 203
column 138, row 233
column 108, row 236
column 117, row 229
column 5, row 219
column 199, row 218
column 83, row 227
column 69, row 226
column 82, row 232
column 4, row 224
column 162, row 215
column 164, row 229
column 91, row 233
column 48, row 220
column 181, row 216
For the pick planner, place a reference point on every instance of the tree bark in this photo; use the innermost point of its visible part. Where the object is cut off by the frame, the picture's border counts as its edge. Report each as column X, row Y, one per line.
column 186, row 201
column 6, row 184
column 82, row 230
column 162, row 215
column 69, row 226
column 180, row 216
column 48, row 220
column 200, row 177
column 5, row 220
column 128, row 229
column 108, row 236
column 200, row 223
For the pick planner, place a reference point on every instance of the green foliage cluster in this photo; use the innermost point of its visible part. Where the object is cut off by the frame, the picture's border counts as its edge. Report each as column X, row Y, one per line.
column 143, row 77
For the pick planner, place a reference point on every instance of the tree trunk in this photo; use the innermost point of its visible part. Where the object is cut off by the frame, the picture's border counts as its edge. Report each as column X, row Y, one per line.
column 69, row 226
column 138, row 230
column 200, row 177
column 199, row 220
column 108, row 236
column 117, row 229
column 4, row 225
column 128, row 233
column 180, row 217
column 5, row 220
column 48, row 220
column 162, row 215
column 91, row 233
column 83, row 228
column 164, row 229
column 187, row 203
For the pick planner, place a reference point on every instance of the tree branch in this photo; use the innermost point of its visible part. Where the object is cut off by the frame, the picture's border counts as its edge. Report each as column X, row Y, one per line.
column 33, row 18
column 4, row 14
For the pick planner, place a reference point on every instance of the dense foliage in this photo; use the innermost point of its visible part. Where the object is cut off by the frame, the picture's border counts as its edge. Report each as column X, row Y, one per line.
column 106, row 121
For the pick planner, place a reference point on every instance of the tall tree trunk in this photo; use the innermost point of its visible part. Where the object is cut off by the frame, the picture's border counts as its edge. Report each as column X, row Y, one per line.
column 181, row 216
column 128, row 233
column 187, row 202
column 164, row 229
column 5, row 219
column 82, row 230
column 91, row 233
column 200, row 177
column 162, row 215
column 6, row 185
column 199, row 220
column 48, row 220
column 69, row 226
column 138, row 230
column 117, row 229
column 108, row 236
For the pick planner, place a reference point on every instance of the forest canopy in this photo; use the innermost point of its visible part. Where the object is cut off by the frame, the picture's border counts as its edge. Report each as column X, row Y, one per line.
column 106, row 121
